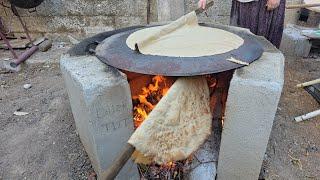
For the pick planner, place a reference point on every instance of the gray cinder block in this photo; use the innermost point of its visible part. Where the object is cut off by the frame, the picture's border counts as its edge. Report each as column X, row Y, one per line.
column 101, row 104
column 294, row 43
column 252, row 103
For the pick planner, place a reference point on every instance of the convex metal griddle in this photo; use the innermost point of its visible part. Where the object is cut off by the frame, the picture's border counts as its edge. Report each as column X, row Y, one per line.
column 115, row 52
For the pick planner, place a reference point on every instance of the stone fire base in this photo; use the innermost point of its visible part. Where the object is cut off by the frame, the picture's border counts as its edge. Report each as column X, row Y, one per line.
column 102, row 108
column 252, row 103
column 101, row 104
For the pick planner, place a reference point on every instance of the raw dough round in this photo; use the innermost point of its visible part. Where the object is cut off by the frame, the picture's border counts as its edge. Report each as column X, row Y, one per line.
column 186, row 41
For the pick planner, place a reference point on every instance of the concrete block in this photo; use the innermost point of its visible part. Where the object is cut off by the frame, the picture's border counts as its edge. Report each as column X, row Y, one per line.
column 102, row 108
column 294, row 43
column 252, row 103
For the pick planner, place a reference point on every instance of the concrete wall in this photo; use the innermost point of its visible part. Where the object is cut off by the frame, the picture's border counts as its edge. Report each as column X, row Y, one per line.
column 169, row 10
column 80, row 16
column 92, row 16
column 219, row 13
column 88, row 17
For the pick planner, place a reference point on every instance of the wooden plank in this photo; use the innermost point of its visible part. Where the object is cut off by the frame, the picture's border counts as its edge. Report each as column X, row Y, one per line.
column 295, row 6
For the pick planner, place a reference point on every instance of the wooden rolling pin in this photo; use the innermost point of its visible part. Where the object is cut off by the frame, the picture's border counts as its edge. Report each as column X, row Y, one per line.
column 295, row 6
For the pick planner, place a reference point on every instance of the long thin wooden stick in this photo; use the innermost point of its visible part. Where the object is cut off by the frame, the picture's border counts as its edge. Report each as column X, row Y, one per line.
column 309, row 83
column 119, row 162
column 294, row 6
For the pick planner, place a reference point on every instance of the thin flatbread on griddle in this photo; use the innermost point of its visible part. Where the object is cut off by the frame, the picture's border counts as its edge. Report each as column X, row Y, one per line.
column 184, row 38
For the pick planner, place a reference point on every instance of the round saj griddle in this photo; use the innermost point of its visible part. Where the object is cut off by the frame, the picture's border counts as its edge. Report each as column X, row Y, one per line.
column 115, row 52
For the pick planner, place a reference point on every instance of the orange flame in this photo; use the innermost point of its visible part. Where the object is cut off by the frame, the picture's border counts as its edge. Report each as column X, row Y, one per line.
column 148, row 98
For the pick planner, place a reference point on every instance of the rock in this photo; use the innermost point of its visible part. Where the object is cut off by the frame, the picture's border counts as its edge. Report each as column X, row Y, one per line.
column 19, row 113
column 27, row 86
column 6, row 65
column 45, row 45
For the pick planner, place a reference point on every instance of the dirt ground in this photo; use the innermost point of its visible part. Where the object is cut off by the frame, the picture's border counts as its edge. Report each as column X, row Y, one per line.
column 294, row 148
column 45, row 145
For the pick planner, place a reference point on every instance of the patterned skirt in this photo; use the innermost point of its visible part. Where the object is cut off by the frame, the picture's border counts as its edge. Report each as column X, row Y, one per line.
column 255, row 16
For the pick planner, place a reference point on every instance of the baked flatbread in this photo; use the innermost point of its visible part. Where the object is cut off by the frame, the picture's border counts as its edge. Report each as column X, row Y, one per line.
column 178, row 124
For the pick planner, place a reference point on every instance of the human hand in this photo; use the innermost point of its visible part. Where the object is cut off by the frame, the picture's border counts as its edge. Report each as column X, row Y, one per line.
column 272, row 4
column 202, row 4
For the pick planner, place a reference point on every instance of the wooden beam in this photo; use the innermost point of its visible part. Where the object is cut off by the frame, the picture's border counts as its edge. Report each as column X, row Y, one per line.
column 294, row 6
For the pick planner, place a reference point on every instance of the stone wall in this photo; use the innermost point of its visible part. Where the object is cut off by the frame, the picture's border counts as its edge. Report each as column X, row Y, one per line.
column 219, row 13
column 88, row 17
column 79, row 16
column 168, row 10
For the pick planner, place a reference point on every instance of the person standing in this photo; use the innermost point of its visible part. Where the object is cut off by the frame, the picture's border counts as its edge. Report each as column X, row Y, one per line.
column 261, row 17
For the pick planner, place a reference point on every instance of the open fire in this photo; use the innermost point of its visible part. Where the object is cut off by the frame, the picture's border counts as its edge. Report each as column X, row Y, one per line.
column 151, row 94
column 144, row 101
column 149, row 97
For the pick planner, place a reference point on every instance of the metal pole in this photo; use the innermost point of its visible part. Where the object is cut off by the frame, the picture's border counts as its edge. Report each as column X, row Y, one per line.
column 15, row 12
column 24, row 56
column 8, row 43
column 307, row 116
